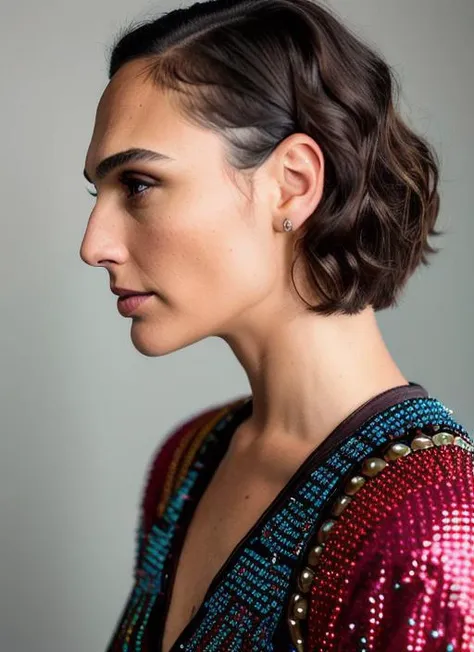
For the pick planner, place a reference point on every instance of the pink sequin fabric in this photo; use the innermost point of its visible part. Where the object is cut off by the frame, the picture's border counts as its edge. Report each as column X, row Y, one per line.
column 397, row 571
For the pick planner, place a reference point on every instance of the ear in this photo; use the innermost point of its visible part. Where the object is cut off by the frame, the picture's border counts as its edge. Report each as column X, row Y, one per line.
column 298, row 169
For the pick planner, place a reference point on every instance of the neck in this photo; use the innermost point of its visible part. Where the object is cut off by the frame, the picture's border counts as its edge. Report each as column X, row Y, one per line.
column 309, row 373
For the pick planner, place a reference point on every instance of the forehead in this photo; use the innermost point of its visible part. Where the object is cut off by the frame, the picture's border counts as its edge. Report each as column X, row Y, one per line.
column 128, row 97
column 135, row 112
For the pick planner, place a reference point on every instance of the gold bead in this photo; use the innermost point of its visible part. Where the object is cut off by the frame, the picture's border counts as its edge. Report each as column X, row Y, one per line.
column 305, row 579
column 353, row 485
column 299, row 607
column 421, row 442
column 324, row 530
column 462, row 443
column 372, row 466
column 340, row 505
column 314, row 555
column 442, row 438
column 395, row 451
column 295, row 633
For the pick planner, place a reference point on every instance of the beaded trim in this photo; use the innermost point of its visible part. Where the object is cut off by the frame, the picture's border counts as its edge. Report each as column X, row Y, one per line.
column 369, row 468
column 186, row 451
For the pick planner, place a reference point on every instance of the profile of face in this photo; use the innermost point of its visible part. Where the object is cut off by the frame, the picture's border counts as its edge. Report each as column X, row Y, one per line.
column 181, row 226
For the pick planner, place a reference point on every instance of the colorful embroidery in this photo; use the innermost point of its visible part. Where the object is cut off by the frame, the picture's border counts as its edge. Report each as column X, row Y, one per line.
column 246, row 603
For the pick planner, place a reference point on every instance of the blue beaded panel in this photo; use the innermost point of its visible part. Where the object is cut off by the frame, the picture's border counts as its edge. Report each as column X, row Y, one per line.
column 151, row 555
column 246, row 605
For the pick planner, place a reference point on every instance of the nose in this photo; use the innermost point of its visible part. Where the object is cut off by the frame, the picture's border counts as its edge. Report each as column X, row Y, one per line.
column 101, row 244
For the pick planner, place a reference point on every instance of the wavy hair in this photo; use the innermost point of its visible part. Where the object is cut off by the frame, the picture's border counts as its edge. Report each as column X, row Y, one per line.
column 256, row 71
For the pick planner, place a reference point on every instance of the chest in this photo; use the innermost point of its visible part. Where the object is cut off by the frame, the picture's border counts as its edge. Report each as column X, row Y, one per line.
column 232, row 504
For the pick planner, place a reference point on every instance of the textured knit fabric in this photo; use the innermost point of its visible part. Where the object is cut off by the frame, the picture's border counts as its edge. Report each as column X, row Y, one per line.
column 368, row 547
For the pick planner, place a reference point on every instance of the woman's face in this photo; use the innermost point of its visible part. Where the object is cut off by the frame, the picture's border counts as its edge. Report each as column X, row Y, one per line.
column 180, row 228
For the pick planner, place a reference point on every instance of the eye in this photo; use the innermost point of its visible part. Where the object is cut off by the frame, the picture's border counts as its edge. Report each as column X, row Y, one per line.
column 136, row 187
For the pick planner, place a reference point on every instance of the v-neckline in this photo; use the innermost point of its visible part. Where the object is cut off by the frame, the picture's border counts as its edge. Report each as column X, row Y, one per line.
column 243, row 411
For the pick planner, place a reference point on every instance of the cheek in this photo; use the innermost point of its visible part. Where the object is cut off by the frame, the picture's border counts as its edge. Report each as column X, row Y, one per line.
column 245, row 264
column 209, row 266
column 207, row 251
column 235, row 272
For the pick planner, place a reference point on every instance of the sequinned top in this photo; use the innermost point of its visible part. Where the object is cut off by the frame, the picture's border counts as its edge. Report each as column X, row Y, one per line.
column 369, row 547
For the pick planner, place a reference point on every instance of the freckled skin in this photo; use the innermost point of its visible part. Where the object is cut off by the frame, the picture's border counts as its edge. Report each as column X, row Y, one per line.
column 199, row 240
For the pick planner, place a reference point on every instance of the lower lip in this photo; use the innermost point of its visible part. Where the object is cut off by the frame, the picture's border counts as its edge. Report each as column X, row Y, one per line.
column 128, row 305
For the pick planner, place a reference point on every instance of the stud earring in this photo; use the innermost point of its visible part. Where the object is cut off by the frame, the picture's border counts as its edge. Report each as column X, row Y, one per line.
column 288, row 225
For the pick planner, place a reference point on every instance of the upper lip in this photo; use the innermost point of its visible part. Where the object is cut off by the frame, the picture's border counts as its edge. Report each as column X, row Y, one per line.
column 122, row 292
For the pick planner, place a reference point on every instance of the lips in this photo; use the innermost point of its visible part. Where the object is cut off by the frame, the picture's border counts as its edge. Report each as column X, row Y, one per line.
column 128, row 305
column 125, row 292
column 136, row 294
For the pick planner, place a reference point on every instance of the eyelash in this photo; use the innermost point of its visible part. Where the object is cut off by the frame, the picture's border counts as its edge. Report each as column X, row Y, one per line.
column 129, row 182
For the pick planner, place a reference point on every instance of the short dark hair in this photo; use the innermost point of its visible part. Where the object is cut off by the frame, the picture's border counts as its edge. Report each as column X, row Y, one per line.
column 256, row 71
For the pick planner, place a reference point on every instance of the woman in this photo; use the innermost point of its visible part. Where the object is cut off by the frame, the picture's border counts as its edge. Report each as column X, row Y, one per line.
column 256, row 183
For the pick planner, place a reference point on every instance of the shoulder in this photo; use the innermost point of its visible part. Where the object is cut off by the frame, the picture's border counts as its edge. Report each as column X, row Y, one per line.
column 403, row 549
column 423, row 508
column 161, row 473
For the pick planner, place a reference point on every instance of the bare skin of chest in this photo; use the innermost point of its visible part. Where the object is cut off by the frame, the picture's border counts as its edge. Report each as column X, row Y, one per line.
column 236, row 497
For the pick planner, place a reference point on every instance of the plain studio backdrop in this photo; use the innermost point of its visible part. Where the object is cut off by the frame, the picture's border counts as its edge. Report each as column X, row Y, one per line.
column 81, row 410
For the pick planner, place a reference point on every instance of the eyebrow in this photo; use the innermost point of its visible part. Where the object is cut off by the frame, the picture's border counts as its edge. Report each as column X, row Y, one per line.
column 115, row 160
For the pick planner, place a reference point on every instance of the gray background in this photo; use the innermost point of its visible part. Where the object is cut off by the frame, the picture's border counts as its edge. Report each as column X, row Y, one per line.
column 82, row 411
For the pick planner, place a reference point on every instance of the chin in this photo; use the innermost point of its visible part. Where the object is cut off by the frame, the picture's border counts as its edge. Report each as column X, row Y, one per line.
column 150, row 346
column 154, row 343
